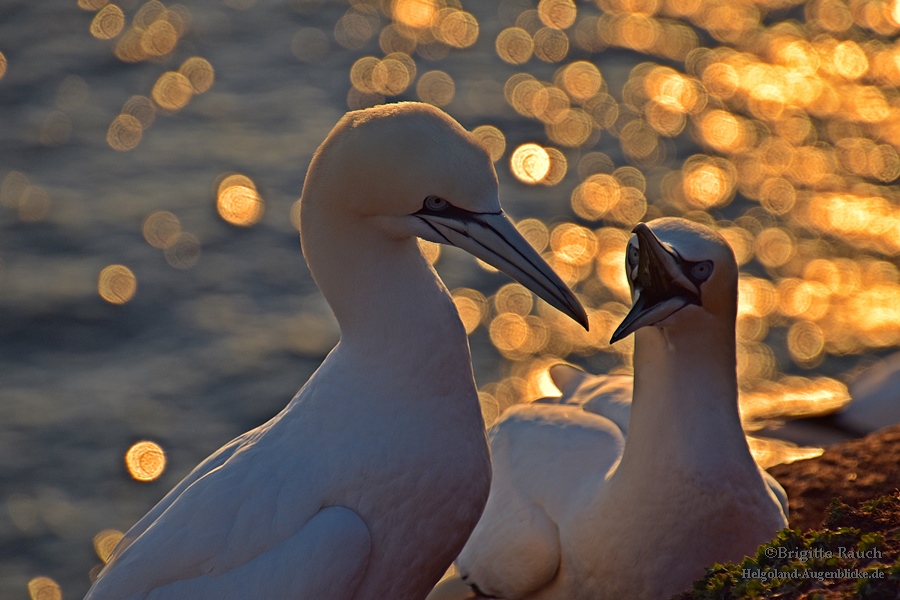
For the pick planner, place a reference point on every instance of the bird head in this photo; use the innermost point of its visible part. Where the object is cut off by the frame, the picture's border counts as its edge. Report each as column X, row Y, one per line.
column 410, row 171
column 679, row 272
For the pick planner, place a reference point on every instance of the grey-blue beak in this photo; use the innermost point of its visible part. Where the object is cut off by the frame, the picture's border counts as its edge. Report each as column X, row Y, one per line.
column 494, row 239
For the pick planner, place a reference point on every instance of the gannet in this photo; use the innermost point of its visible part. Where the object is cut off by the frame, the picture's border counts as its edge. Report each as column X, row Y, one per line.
column 875, row 397
column 610, row 396
column 368, row 483
column 576, row 510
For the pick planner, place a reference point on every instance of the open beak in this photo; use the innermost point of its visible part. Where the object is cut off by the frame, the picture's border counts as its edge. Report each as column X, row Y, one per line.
column 661, row 288
column 494, row 239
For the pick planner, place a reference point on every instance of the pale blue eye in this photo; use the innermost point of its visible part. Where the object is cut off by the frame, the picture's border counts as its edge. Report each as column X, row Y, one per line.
column 436, row 203
column 702, row 271
column 634, row 255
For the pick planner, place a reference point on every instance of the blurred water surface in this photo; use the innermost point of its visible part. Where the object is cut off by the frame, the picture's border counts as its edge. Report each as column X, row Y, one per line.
column 209, row 321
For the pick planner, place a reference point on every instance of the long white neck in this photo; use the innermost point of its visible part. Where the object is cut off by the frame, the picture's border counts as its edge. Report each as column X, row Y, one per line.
column 392, row 308
column 684, row 415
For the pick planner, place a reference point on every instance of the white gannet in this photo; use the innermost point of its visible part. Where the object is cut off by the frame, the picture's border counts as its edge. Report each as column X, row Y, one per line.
column 576, row 511
column 368, row 483
column 610, row 396
column 875, row 400
column 605, row 395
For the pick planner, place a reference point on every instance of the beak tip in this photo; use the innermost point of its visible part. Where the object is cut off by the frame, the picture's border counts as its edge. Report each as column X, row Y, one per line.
column 618, row 335
column 578, row 314
column 582, row 319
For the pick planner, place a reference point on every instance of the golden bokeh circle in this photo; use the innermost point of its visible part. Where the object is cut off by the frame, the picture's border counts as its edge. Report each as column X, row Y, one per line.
column 530, row 163
column 708, row 184
column 117, row 284
column 596, row 196
column 395, row 38
column 559, row 166
column 199, row 73
column 161, row 229
column 108, row 22
column 457, row 28
column 850, row 60
column 777, row 195
column 639, row 140
column 513, row 298
column 581, row 79
column 551, row 45
column 172, row 91
column 559, row 14
column 391, row 76
column 105, row 542
column 721, row 80
column 665, row 118
column 741, row 242
column 418, row 14
column 148, row 14
column 361, row 74
column 535, row 232
column 806, row 341
column 145, row 461
column 509, row 332
column 472, row 307
column 124, row 133
column 514, row 45
column 44, row 588
column 183, row 251
column 573, row 244
column 573, row 128
column 436, row 87
column 554, row 107
column 774, row 247
column 723, row 131
column 142, row 109
column 238, row 202
column 354, row 30
column 631, row 207
column 160, row 38
column 492, row 139
column 490, row 408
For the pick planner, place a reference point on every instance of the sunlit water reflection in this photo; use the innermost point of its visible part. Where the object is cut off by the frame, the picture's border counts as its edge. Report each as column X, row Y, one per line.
column 152, row 154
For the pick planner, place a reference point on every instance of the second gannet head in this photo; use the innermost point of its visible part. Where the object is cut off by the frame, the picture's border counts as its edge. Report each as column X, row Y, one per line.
column 408, row 170
column 679, row 272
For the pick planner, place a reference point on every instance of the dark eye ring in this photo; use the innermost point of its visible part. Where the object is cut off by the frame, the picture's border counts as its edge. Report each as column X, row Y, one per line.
column 436, row 203
column 702, row 270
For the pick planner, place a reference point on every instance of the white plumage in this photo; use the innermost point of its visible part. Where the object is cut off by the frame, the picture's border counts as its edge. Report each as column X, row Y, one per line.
column 576, row 511
column 876, row 398
column 368, row 483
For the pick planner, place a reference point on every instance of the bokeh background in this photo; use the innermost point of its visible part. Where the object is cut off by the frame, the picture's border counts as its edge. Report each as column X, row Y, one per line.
column 152, row 286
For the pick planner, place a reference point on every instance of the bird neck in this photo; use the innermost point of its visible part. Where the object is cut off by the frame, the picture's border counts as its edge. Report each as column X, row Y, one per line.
column 684, row 413
column 390, row 304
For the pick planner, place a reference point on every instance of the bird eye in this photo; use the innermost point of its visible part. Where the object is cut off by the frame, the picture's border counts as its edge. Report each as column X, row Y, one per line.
column 436, row 203
column 701, row 271
column 634, row 255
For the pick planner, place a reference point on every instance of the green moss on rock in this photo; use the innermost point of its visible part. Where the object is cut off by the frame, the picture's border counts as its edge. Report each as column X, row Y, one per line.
column 857, row 554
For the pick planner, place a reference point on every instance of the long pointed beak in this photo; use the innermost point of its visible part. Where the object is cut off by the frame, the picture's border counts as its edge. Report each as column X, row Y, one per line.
column 494, row 239
column 661, row 288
